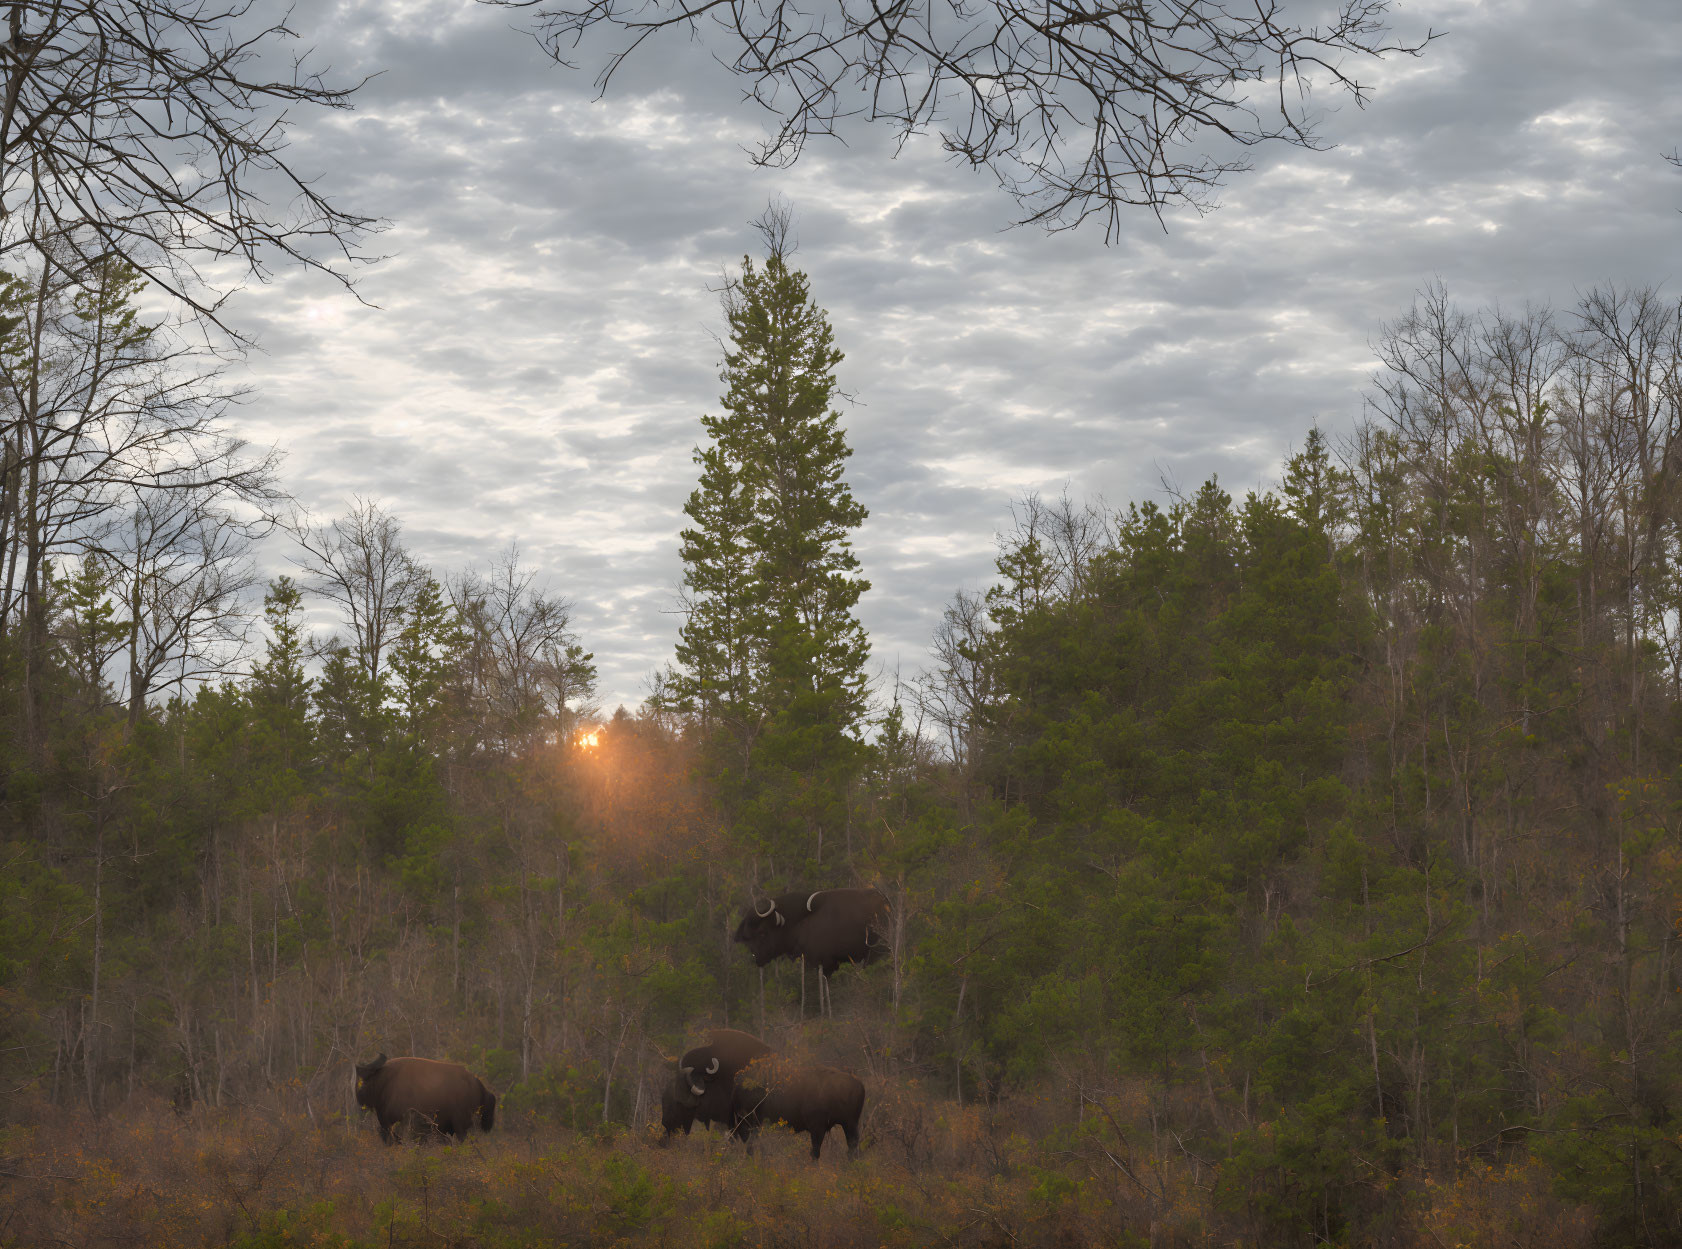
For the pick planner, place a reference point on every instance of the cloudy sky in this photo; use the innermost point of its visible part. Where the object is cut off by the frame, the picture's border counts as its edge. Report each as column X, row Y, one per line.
column 540, row 344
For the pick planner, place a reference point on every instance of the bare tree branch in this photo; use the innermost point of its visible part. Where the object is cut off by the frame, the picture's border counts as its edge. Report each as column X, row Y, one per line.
column 183, row 573
column 103, row 416
column 527, row 673
column 360, row 565
column 152, row 131
column 1080, row 108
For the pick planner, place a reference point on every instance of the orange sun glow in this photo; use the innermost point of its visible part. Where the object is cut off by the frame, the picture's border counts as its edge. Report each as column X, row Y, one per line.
column 588, row 739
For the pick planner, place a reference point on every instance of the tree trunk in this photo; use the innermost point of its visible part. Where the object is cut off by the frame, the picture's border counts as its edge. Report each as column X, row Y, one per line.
column 90, row 1030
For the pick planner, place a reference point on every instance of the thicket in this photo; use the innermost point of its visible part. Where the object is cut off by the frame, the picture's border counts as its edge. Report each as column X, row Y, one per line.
column 1295, row 869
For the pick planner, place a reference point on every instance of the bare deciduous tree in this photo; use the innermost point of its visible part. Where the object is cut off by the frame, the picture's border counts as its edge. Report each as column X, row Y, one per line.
column 1502, row 451
column 957, row 693
column 151, row 131
column 1080, row 109
column 527, row 673
column 183, row 573
column 100, row 411
column 359, row 564
column 1579, row 430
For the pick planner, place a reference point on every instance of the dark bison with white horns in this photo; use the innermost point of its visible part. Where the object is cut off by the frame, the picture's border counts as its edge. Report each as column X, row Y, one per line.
column 703, row 1079
column 812, row 1100
column 828, row 928
column 423, row 1096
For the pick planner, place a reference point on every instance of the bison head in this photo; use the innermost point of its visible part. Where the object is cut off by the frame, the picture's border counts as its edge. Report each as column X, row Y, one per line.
column 695, row 1072
column 363, row 1071
column 764, row 930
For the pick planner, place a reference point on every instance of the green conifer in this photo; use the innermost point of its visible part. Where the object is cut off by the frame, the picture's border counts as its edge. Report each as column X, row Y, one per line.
column 771, row 657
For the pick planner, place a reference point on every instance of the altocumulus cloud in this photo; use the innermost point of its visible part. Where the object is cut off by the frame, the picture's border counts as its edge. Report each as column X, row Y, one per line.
column 534, row 356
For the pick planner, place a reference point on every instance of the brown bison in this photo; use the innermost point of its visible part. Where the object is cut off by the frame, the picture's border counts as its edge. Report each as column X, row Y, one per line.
column 804, row 1099
column 423, row 1096
column 703, row 1078
column 675, row 1117
column 826, row 928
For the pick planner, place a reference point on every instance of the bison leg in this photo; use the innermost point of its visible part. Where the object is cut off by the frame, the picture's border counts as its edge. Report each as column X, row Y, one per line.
column 852, row 1131
column 817, row 1142
column 667, row 1132
column 743, row 1131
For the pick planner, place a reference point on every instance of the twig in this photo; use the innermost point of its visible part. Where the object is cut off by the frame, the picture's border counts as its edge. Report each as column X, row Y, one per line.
column 43, row 1175
column 1432, row 935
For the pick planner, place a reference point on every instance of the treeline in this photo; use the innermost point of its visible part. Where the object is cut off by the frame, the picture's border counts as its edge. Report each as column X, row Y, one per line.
column 1334, row 833
column 1264, row 864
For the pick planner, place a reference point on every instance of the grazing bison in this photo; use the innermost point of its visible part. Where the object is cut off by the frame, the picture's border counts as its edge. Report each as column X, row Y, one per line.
column 805, row 1099
column 703, row 1078
column 827, row 928
column 423, row 1096
column 675, row 1117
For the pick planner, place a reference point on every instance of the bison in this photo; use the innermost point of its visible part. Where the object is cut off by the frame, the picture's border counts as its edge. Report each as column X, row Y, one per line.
column 424, row 1096
column 827, row 928
column 703, row 1078
column 675, row 1117
column 813, row 1100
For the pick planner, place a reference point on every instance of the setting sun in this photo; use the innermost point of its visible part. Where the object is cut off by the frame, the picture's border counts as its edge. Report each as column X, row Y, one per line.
column 588, row 739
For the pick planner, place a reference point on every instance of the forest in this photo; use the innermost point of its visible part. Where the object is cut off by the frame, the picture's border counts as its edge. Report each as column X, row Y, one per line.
column 1301, row 867
column 1294, row 869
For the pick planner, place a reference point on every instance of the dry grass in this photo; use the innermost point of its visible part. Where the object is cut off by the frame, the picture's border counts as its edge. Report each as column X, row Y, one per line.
column 932, row 1174
column 145, row 1176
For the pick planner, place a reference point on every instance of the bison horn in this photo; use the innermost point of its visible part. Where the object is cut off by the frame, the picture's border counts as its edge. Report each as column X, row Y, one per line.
column 687, row 1071
column 770, row 905
column 712, row 1067
column 696, row 1089
column 812, row 899
column 779, row 919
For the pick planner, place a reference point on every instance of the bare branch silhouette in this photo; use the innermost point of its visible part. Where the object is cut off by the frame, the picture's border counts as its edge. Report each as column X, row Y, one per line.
column 1080, row 108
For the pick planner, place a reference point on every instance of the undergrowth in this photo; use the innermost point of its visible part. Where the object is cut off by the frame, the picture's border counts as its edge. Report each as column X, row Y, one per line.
column 931, row 1174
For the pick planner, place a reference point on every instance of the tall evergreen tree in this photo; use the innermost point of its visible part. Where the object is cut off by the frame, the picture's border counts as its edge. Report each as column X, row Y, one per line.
column 771, row 656
column 282, row 735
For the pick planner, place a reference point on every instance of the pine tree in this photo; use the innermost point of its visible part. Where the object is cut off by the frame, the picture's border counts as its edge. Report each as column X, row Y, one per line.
column 771, row 657
column 423, row 659
column 715, row 653
column 91, row 634
column 282, row 736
